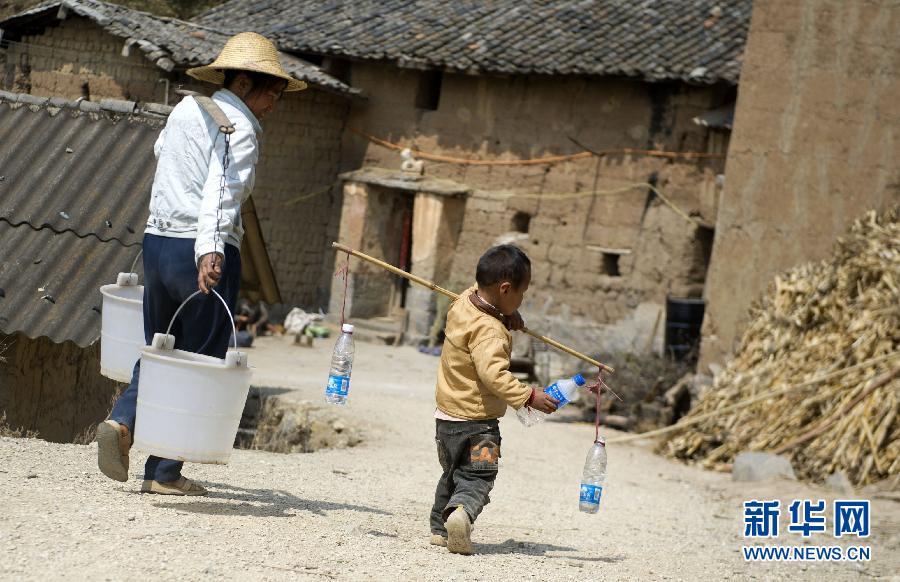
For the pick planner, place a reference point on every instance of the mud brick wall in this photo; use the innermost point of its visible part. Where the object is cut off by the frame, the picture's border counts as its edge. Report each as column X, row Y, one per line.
column 77, row 57
column 55, row 389
column 815, row 146
column 297, row 197
column 575, row 290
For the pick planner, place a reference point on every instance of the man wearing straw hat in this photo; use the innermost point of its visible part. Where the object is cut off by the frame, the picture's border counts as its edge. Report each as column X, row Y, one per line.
column 193, row 235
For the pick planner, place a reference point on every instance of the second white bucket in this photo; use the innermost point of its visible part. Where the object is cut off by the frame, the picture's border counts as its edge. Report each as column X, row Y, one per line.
column 122, row 327
column 189, row 405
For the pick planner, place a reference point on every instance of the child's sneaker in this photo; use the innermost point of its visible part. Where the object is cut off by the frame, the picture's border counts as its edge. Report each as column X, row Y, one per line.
column 438, row 540
column 459, row 532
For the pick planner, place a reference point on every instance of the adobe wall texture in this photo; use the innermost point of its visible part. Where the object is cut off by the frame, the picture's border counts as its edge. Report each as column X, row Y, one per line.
column 296, row 198
column 815, row 146
column 78, row 55
column 55, row 389
column 517, row 118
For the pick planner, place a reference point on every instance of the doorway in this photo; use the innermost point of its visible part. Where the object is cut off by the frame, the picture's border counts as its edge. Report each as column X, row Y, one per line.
column 413, row 224
column 387, row 234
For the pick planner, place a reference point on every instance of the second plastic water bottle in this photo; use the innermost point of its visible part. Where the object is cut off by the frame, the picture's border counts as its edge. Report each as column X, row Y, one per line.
column 593, row 478
column 341, row 363
column 564, row 391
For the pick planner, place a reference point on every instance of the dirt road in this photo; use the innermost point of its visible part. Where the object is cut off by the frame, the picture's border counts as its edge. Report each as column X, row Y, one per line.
column 361, row 513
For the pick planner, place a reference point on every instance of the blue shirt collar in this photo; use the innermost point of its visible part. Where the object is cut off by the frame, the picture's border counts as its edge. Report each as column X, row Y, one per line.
column 234, row 100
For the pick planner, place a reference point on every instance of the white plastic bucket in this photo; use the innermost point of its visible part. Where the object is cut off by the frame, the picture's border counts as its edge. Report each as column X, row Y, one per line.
column 121, row 327
column 189, row 405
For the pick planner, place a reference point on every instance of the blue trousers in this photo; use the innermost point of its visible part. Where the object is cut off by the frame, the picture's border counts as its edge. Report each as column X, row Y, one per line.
column 202, row 327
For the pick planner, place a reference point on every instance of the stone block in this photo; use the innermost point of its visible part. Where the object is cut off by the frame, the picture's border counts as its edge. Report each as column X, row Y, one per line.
column 757, row 466
column 560, row 254
column 839, row 482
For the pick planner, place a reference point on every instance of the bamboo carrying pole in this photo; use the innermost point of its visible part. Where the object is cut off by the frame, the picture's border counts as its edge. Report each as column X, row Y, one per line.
column 454, row 296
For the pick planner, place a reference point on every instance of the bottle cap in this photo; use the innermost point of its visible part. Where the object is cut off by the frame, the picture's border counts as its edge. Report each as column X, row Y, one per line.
column 347, row 328
column 579, row 379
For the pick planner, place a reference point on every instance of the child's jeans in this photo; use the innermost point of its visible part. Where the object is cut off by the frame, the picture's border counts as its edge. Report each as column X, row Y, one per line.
column 469, row 452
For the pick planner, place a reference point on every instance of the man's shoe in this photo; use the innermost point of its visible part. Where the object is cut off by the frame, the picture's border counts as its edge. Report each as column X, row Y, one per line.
column 113, row 444
column 438, row 540
column 459, row 532
column 183, row 486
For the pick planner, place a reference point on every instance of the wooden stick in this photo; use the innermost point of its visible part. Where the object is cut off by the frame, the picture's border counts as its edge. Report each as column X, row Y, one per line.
column 877, row 382
column 452, row 295
column 568, row 350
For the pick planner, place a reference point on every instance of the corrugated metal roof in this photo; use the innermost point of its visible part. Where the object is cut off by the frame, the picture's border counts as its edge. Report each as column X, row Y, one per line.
column 75, row 181
column 70, row 170
column 74, row 188
column 51, row 282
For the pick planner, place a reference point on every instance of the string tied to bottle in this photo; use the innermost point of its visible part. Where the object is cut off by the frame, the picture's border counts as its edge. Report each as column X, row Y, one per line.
column 596, row 388
column 344, row 273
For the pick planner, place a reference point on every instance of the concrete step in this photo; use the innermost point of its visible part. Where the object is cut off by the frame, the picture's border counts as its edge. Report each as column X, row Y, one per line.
column 386, row 330
column 380, row 324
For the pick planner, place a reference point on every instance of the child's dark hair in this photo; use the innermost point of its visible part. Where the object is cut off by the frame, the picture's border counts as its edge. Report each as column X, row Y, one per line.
column 503, row 263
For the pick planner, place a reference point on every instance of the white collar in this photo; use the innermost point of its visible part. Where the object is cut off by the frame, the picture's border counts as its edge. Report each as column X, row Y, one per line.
column 235, row 101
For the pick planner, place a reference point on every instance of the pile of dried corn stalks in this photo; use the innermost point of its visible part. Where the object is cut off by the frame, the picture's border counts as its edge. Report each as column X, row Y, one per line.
column 823, row 343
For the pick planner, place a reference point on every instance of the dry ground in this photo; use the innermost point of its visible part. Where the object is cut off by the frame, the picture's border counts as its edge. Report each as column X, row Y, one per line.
column 361, row 513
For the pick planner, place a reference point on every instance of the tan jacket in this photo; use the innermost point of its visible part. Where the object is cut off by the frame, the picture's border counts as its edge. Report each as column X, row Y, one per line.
column 474, row 381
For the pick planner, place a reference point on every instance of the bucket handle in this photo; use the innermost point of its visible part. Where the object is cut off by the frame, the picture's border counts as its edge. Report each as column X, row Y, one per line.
column 136, row 259
column 227, row 310
column 130, row 279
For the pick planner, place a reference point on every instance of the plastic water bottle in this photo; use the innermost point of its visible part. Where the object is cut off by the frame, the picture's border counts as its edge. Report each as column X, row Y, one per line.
column 341, row 363
column 565, row 391
column 593, row 478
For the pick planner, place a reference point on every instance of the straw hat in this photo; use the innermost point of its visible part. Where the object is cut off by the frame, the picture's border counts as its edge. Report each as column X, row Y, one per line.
column 247, row 51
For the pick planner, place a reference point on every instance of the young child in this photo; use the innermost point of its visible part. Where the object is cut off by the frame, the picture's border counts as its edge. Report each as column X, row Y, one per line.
column 474, row 387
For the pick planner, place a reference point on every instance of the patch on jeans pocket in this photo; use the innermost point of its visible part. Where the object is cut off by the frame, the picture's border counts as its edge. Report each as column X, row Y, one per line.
column 484, row 452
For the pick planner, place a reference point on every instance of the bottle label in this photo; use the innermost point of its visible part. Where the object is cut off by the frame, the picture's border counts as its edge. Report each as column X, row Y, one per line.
column 591, row 493
column 554, row 391
column 338, row 385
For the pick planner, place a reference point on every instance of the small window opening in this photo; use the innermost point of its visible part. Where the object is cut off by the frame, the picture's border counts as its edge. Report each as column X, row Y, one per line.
column 521, row 221
column 611, row 265
column 428, row 95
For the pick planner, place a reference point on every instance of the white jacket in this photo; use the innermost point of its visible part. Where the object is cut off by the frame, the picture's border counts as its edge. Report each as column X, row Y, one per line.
column 185, row 195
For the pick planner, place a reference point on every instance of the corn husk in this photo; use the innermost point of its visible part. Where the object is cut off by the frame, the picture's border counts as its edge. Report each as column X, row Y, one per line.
column 815, row 320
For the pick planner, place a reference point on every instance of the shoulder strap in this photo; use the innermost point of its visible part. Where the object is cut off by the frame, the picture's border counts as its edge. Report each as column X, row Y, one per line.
column 212, row 109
